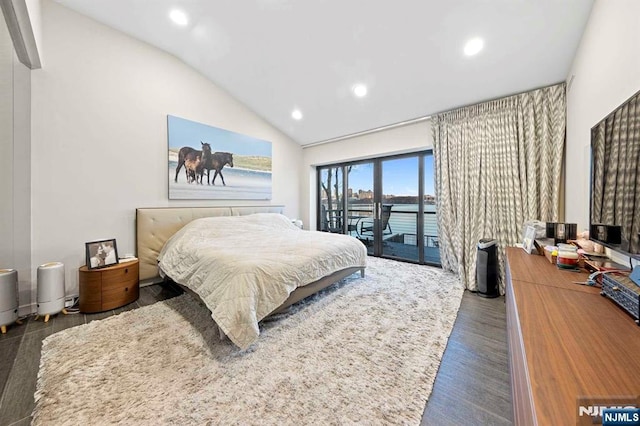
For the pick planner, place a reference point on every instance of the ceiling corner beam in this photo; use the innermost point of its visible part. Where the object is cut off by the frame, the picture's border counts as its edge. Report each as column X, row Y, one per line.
column 18, row 22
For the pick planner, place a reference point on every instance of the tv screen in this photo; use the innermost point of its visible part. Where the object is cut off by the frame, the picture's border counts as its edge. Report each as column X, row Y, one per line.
column 614, row 219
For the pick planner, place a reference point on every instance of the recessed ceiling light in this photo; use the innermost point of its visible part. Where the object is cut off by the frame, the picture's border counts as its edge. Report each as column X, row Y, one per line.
column 360, row 90
column 473, row 46
column 179, row 17
column 296, row 114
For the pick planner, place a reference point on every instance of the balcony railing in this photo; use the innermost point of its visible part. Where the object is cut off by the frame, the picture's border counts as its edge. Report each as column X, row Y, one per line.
column 399, row 237
column 402, row 223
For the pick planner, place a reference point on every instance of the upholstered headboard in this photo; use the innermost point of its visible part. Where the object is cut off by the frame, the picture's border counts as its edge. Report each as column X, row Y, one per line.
column 154, row 226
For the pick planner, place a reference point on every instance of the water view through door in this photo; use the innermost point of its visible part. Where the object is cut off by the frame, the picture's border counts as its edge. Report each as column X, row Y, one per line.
column 387, row 203
column 400, row 184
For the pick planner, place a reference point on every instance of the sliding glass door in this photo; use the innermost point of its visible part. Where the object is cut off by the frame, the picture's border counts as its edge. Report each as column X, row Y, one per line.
column 400, row 200
column 389, row 205
column 331, row 199
column 360, row 203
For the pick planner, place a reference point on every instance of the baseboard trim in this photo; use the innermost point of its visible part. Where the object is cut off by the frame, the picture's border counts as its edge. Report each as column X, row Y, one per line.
column 25, row 310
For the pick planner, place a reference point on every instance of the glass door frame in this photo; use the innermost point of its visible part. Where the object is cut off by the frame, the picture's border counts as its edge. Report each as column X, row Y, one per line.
column 377, row 200
column 319, row 218
column 378, row 194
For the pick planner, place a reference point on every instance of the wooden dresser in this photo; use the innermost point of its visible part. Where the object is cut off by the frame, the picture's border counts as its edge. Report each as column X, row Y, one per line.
column 108, row 288
column 566, row 341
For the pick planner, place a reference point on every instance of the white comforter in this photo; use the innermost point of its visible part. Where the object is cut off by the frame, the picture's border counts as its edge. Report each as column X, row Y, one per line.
column 243, row 267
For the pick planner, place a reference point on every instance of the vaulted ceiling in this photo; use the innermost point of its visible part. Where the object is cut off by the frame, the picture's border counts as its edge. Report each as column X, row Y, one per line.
column 277, row 56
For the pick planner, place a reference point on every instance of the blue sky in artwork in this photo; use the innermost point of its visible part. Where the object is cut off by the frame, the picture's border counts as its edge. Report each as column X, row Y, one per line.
column 184, row 132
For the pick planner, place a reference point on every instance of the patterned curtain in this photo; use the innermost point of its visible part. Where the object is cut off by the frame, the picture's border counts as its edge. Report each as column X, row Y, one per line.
column 615, row 143
column 497, row 165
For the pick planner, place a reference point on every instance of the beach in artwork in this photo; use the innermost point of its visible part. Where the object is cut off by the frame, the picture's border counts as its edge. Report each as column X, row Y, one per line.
column 242, row 184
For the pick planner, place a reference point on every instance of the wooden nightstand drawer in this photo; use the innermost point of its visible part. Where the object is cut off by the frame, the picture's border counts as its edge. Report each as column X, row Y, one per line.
column 117, row 297
column 126, row 272
column 120, row 270
column 90, row 294
column 90, row 278
column 108, row 288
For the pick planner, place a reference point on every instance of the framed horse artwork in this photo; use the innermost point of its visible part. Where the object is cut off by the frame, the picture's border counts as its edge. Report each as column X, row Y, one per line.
column 207, row 162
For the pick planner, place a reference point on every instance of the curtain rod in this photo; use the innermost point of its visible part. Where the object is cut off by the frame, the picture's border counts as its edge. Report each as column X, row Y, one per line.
column 417, row 120
column 368, row 132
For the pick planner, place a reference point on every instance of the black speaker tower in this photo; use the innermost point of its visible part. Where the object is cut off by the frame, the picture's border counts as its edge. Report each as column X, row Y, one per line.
column 487, row 268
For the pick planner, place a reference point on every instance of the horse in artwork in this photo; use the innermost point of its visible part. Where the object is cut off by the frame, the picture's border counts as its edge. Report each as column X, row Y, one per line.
column 188, row 154
column 193, row 169
column 217, row 161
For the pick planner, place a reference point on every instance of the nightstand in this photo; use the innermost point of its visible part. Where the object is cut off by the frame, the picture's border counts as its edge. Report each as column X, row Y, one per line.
column 108, row 288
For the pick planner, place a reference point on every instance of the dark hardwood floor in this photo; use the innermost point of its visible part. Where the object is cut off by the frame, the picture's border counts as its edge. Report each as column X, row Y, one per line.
column 471, row 388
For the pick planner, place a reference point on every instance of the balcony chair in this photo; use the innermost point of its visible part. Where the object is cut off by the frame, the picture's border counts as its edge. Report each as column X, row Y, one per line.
column 326, row 223
column 366, row 226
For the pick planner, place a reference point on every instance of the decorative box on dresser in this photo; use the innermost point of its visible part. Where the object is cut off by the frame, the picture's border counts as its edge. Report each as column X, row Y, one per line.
column 108, row 288
column 566, row 342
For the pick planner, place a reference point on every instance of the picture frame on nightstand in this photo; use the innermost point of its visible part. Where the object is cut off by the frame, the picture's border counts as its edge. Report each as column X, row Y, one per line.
column 101, row 253
column 528, row 239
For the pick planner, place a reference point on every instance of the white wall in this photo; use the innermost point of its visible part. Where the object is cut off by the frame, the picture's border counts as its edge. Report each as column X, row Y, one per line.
column 410, row 138
column 607, row 72
column 99, row 139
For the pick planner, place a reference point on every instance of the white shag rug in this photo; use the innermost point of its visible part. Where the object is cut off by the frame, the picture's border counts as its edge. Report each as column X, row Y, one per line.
column 365, row 351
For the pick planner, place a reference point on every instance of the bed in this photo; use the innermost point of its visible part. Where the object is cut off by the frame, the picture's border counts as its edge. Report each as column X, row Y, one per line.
column 244, row 263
